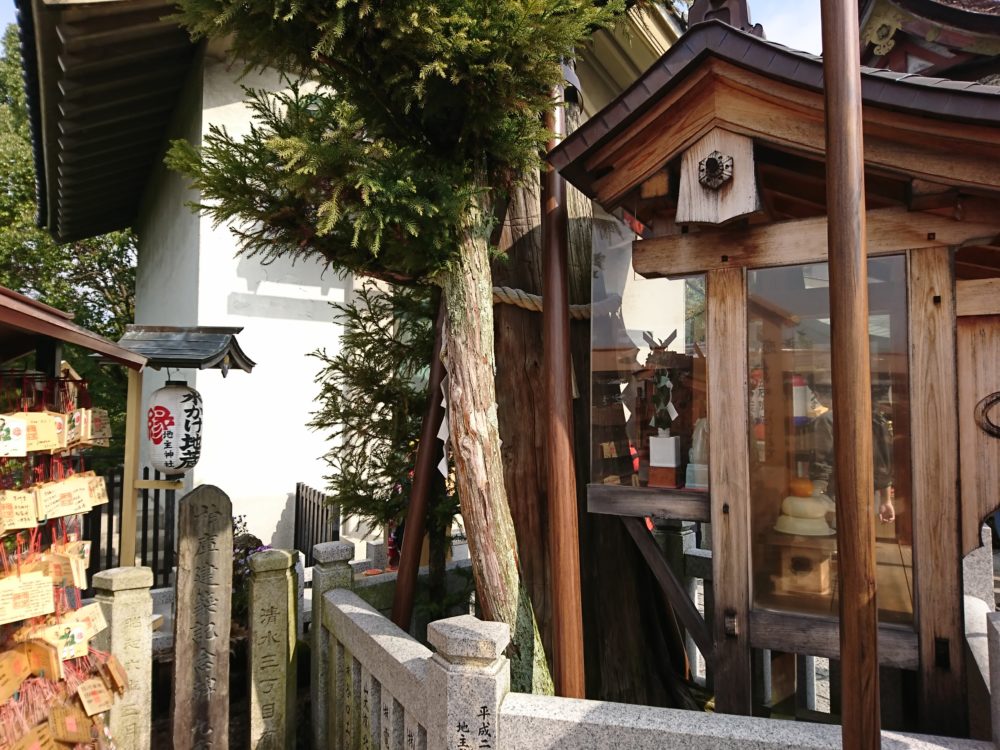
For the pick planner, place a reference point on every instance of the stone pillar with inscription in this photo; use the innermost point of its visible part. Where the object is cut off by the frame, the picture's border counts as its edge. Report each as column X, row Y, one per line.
column 331, row 570
column 123, row 594
column 467, row 679
column 273, row 602
column 200, row 703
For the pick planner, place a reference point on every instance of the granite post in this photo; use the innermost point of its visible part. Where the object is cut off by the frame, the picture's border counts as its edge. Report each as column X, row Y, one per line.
column 273, row 635
column 467, row 679
column 993, row 639
column 331, row 570
column 123, row 594
column 200, row 702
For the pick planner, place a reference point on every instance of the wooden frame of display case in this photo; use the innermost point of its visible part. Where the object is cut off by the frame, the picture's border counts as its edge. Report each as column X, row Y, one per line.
column 932, row 173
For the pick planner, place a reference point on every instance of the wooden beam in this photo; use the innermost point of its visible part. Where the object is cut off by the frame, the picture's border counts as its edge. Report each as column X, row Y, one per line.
column 564, row 533
column 133, row 425
column 672, row 587
column 620, row 500
column 852, row 389
column 934, row 428
column 159, row 484
column 979, row 451
column 788, row 117
column 977, row 297
column 816, row 636
column 729, row 481
column 889, row 231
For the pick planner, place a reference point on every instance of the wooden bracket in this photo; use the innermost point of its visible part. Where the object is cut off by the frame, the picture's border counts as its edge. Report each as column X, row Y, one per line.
column 672, row 587
column 159, row 484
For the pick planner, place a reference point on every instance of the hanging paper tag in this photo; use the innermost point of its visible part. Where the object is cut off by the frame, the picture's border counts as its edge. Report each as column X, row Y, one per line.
column 77, row 426
column 43, row 659
column 69, row 724
column 17, row 510
column 25, row 596
column 95, row 696
column 13, row 436
column 100, row 425
column 41, row 430
column 38, row 738
column 63, row 498
column 14, row 669
column 115, row 675
column 97, row 489
column 671, row 411
column 72, row 636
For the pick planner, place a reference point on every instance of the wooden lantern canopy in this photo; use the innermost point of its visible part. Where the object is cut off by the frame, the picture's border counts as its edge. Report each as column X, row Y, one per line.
column 177, row 347
column 715, row 156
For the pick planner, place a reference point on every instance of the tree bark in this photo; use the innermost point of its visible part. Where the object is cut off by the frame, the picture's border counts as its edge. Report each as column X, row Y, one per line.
column 472, row 416
column 521, row 397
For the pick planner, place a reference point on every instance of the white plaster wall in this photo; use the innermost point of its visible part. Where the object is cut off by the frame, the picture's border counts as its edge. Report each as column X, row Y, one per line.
column 255, row 444
column 168, row 231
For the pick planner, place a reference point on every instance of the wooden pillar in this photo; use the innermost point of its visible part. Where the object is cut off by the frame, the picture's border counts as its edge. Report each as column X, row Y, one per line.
column 729, row 484
column 936, row 531
column 428, row 453
column 852, row 405
column 133, row 426
column 564, row 537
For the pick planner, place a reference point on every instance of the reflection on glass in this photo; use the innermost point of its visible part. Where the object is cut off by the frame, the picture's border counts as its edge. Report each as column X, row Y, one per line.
column 793, row 483
column 648, row 425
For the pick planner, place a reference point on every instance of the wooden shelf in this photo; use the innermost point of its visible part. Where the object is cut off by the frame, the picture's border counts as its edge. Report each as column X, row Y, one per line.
column 618, row 500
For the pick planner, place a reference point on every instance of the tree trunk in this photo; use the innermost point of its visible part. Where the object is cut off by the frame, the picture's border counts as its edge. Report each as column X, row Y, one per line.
column 521, row 397
column 472, row 416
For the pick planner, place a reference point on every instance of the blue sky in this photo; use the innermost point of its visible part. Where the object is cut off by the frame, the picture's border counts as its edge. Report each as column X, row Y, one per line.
column 795, row 24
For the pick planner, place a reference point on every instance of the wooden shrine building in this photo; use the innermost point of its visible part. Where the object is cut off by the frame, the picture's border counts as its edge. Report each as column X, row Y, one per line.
column 715, row 156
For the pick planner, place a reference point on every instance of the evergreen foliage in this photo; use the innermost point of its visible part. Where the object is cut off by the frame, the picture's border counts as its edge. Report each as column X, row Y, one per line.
column 436, row 104
column 94, row 279
column 373, row 394
column 412, row 120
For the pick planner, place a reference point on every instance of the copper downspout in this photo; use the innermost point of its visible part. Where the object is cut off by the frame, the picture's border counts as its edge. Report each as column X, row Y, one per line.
column 564, row 538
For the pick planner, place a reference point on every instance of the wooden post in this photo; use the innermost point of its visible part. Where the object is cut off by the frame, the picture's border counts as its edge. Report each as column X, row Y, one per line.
column 564, row 536
column 852, row 405
column 133, row 425
column 729, row 482
column 423, row 479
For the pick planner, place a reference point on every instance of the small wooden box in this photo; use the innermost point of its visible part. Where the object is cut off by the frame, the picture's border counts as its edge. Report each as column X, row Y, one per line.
column 804, row 570
column 664, row 476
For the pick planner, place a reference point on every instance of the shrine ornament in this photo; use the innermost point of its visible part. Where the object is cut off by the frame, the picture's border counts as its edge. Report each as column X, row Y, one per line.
column 173, row 426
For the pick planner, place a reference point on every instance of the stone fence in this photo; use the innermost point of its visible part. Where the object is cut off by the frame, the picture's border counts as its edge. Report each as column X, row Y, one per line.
column 375, row 686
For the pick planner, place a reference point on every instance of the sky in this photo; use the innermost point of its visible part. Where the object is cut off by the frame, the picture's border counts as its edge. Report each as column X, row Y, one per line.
column 794, row 23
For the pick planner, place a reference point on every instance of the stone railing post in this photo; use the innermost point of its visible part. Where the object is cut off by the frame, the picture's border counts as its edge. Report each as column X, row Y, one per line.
column 467, row 679
column 993, row 639
column 331, row 570
column 274, row 595
column 123, row 594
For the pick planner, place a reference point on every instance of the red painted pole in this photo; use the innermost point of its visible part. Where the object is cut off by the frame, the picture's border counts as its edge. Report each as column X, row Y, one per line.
column 428, row 454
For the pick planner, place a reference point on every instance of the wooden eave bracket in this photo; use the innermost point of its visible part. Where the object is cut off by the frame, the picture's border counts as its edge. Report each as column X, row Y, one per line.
column 890, row 231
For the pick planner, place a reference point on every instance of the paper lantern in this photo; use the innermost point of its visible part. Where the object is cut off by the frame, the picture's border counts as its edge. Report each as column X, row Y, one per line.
column 173, row 423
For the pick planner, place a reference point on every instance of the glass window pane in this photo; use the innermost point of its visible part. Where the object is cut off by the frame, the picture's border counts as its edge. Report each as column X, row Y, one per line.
column 648, row 415
column 793, row 487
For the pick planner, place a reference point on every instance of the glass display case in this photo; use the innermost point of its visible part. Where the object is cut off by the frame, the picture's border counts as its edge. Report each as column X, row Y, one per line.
column 648, row 415
column 792, row 465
